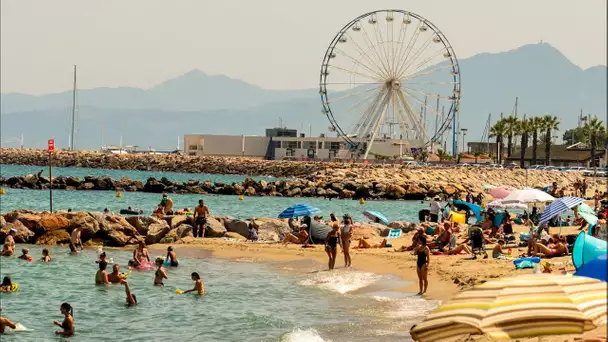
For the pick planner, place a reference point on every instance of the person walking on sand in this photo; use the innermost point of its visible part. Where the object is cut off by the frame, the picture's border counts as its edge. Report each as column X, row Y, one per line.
column 200, row 219
column 345, row 235
column 167, row 204
column 423, row 253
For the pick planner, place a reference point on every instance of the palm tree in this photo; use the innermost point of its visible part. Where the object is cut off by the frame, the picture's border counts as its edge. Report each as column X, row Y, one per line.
column 523, row 129
column 536, row 124
column 498, row 131
column 595, row 130
column 511, row 131
column 443, row 155
column 550, row 124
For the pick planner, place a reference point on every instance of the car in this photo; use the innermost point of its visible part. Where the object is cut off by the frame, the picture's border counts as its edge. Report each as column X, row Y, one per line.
column 494, row 166
column 574, row 169
column 511, row 166
column 535, row 167
column 548, row 168
column 600, row 172
column 464, row 165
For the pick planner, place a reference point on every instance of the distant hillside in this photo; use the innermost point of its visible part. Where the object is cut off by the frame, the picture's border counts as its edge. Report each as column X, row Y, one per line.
column 542, row 78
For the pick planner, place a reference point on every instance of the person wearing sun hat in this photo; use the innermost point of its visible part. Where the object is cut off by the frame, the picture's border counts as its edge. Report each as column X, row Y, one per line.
column 9, row 243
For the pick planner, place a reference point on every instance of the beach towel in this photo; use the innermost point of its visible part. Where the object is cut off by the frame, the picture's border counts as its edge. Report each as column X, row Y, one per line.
column 524, row 264
column 394, row 233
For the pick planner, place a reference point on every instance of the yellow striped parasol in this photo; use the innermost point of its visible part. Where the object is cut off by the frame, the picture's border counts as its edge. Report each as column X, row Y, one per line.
column 525, row 306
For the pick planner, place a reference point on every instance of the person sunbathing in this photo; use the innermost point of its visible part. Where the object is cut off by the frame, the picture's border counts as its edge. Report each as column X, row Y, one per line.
column 363, row 244
column 301, row 238
column 442, row 240
column 551, row 250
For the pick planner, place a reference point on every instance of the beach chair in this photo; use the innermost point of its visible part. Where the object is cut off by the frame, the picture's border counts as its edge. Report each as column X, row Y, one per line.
column 477, row 246
column 394, row 233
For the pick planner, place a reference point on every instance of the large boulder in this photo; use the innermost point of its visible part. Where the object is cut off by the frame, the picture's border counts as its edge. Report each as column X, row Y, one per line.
column 30, row 179
column 29, row 220
column 51, row 222
column 175, row 234
column 53, row 237
column 215, row 228
column 156, row 232
column 87, row 223
column 175, row 220
column 236, row 236
column 23, row 234
column 273, row 230
column 237, row 226
column 115, row 228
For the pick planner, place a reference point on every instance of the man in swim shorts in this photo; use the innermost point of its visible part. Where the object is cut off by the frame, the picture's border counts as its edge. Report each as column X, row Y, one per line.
column 200, row 219
column 75, row 238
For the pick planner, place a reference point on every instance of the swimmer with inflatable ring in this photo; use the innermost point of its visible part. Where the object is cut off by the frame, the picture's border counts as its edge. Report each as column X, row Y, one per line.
column 199, row 287
column 25, row 255
column 5, row 322
column 160, row 273
column 8, row 285
column 68, row 321
column 140, row 254
column 46, row 256
column 171, row 257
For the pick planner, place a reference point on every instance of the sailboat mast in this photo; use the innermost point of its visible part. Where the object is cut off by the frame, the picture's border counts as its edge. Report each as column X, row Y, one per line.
column 73, row 111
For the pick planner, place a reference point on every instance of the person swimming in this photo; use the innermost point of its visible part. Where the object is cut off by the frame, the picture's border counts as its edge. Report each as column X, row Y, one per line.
column 101, row 277
column 7, row 285
column 172, row 257
column 68, row 321
column 199, row 287
column 25, row 255
column 46, row 256
column 131, row 299
column 5, row 322
column 160, row 273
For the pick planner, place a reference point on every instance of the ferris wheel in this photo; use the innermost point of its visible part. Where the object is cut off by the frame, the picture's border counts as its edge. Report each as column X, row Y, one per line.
column 390, row 74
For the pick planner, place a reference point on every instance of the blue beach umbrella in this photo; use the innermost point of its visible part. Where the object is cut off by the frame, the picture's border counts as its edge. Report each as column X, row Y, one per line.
column 474, row 207
column 298, row 210
column 373, row 215
column 559, row 206
column 597, row 268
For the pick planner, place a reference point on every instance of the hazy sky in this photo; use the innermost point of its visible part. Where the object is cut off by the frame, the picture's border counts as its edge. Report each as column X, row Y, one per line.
column 276, row 44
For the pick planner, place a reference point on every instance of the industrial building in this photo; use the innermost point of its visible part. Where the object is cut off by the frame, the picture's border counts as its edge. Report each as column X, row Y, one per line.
column 282, row 143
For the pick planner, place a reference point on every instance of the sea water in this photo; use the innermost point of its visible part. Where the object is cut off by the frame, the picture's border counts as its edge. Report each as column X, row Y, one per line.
column 221, row 205
column 244, row 301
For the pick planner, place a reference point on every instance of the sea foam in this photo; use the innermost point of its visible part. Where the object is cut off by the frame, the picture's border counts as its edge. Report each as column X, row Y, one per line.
column 341, row 281
column 299, row 335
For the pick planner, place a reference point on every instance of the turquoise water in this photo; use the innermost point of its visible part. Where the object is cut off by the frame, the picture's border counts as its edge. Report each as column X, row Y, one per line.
column 219, row 205
column 244, row 301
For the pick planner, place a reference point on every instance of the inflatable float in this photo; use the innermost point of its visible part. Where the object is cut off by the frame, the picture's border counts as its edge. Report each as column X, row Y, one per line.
column 457, row 217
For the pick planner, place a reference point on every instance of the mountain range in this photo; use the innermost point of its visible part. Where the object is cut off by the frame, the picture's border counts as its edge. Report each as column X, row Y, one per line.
column 543, row 79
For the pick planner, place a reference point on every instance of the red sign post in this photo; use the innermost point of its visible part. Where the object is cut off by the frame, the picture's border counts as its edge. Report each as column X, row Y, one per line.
column 51, row 148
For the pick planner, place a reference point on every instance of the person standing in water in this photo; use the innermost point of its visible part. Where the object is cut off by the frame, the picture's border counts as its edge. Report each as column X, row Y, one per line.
column 140, row 254
column 68, row 321
column 160, row 273
column 101, row 277
column 331, row 245
column 167, row 204
column 9, row 243
column 423, row 253
column 199, row 287
column 200, row 219
column 46, row 257
column 345, row 236
column 75, row 238
column 172, row 257
column 115, row 277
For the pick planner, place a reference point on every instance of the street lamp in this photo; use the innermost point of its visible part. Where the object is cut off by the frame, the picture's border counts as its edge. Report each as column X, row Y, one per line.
column 464, row 134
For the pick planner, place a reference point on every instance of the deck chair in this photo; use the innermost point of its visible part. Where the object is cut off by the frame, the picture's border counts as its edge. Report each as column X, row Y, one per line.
column 477, row 245
column 394, row 233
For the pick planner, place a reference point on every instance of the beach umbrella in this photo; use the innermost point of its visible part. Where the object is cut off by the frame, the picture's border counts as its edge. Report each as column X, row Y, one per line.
column 528, row 196
column 560, row 205
column 584, row 208
column 476, row 209
column 499, row 192
column 529, row 305
column 499, row 204
column 298, row 210
column 374, row 215
column 589, row 218
column 597, row 269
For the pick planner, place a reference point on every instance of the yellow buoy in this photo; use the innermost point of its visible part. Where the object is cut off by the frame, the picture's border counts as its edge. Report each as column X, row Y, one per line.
column 118, row 194
column 361, row 201
column 241, row 198
column 2, row 191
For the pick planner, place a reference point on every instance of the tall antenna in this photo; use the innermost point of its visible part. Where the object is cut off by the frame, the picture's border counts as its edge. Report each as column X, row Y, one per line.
column 73, row 112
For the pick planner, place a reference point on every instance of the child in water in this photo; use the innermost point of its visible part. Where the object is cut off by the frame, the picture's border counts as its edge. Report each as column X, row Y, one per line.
column 199, row 287
column 7, row 285
column 46, row 257
column 25, row 255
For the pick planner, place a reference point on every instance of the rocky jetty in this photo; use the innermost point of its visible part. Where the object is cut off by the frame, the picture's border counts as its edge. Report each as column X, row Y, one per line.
column 45, row 228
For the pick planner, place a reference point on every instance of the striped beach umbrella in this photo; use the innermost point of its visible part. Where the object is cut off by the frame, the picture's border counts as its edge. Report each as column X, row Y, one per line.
column 374, row 215
column 560, row 205
column 298, row 210
column 530, row 305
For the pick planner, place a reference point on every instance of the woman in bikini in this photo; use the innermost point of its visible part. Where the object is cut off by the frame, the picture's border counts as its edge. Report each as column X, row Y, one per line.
column 331, row 245
column 160, row 273
column 140, row 254
column 68, row 321
column 345, row 235
column 556, row 249
column 422, row 253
